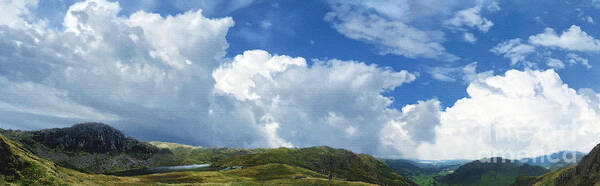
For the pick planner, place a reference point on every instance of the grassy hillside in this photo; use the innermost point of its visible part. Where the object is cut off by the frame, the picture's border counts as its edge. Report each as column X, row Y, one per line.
column 21, row 165
column 339, row 163
column 269, row 174
column 18, row 166
column 88, row 147
column 185, row 154
column 342, row 163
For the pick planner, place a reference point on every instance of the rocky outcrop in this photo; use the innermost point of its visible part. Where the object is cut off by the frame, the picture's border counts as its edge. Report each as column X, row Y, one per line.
column 587, row 171
column 88, row 147
column 589, row 166
column 92, row 138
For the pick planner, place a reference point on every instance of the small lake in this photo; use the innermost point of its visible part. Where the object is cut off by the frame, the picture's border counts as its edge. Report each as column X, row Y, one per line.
column 155, row 170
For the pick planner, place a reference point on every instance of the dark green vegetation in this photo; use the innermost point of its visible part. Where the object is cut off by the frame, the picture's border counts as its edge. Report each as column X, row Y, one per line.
column 29, row 157
column 185, row 155
column 338, row 163
column 493, row 171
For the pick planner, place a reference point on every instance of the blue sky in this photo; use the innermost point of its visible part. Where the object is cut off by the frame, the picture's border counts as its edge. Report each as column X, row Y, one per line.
column 413, row 79
column 298, row 28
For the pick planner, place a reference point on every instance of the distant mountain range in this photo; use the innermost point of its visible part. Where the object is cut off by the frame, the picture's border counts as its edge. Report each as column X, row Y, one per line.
column 480, row 172
column 555, row 160
column 490, row 171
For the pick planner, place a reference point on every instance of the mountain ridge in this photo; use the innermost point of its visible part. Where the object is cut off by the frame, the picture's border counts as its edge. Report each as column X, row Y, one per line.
column 101, row 145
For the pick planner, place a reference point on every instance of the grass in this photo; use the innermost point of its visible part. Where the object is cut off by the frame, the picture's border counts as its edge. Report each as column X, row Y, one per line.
column 549, row 178
column 38, row 171
column 281, row 166
column 270, row 174
column 342, row 163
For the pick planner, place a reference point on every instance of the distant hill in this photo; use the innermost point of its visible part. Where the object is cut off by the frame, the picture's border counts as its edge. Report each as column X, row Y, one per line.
column 339, row 163
column 586, row 172
column 423, row 172
column 555, row 160
column 187, row 154
column 491, row 171
column 407, row 166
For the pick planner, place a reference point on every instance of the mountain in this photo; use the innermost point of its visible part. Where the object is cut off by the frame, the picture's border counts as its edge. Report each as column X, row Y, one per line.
column 586, row 172
column 555, row 160
column 91, row 138
column 492, row 171
column 338, row 163
column 88, row 147
column 92, row 148
column 18, row 166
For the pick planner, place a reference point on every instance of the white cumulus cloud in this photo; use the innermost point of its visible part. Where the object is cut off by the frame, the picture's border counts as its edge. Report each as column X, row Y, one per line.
column 573, row 39
column 518, row 114
column 470, row 17
column 515, row 50
column 308, row 103
column 555, row 63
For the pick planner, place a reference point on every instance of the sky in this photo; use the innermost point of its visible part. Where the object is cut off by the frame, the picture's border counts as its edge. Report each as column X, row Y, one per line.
column 420, row 79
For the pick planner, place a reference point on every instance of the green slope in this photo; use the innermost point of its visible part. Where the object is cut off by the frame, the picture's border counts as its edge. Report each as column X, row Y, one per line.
column 344, row 164
column 186, row 154
column 339, row 163
column 88, row 147
column 21, row 165
column 18, row 166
